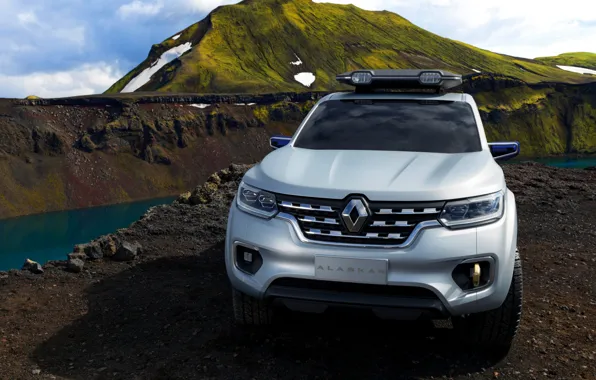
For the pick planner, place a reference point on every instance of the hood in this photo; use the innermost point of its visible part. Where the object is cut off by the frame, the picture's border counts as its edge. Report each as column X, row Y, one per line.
column 379, row 175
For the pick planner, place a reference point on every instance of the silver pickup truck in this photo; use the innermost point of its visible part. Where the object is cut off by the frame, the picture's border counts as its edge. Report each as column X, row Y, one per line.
column 382, row 199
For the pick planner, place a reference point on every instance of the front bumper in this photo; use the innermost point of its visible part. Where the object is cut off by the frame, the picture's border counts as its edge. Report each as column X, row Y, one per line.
column 424, row 267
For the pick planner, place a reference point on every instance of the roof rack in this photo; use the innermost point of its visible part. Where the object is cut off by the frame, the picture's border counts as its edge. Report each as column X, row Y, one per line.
column 372, row 80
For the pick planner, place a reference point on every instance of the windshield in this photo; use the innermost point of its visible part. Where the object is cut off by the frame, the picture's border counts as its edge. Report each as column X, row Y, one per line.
column 412, row 126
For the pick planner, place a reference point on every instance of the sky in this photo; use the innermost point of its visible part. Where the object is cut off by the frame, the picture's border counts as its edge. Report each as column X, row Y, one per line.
column 54, row 48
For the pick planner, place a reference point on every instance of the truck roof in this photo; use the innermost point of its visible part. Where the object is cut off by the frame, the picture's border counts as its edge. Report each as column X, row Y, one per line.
column 453, row 97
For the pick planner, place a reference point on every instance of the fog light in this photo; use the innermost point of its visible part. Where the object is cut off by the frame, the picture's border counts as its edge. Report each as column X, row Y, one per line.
column 472, row 275
column 248, row 260
column 476, row 275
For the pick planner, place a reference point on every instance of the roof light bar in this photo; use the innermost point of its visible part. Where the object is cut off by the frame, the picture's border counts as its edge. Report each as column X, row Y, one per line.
column 400, row 79
column 361, row 77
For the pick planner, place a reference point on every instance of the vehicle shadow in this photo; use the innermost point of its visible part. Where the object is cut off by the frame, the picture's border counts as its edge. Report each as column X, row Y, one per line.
column 171, row 319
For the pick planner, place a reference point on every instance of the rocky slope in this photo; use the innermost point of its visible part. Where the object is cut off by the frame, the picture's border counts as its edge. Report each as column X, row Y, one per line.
column 83, row 151
column 165, row 313
column 60, row 154
column 262, row 45
column 547, row 119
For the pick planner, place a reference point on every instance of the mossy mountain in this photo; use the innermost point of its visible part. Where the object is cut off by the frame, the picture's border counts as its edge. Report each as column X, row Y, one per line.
column 250, row 47
column 579, row 59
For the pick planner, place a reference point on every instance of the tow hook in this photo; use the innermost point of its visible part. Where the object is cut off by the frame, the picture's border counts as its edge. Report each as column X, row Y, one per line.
column 476, row 275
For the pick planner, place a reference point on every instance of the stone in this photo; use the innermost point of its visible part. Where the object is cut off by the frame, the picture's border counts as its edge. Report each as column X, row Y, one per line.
column 184, row 198
column 107, row 245
column 214, row 178
column 32, row 266
column 203, row 194
column 127, row 251
column 91, row 250
column 77, row 255
column 75, row 265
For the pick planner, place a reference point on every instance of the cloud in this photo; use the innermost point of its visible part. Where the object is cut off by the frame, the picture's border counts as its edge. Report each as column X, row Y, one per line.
column 63, row 40
column 203, row 5
column 525, row 28
column 86, row 79
column 27, row 18
column 140, row 8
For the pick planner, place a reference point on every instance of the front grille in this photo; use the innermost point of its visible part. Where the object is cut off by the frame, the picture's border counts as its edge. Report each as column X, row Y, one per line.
column 388, row 223
column 348, row 287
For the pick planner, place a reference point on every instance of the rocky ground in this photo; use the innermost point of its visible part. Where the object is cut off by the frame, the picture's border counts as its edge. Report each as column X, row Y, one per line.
column 161, row 309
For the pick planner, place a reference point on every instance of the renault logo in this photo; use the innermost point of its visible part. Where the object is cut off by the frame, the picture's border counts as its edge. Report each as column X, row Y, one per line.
column 354, row 215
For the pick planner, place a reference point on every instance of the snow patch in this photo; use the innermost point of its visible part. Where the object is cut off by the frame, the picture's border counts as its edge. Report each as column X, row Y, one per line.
column 296, row 63
column 305, row 78
column 244, row 104
column 478, row 71
column 579, row 70
column 200, row 105
column 146, row 74
column 176, row 37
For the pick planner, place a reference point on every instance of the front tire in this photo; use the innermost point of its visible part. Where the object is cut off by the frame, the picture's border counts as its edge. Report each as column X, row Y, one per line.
column 494, row 330
column 249, row 311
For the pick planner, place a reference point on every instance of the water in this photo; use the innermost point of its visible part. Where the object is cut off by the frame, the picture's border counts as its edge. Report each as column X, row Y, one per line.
column 567, row 162
column 51, row 236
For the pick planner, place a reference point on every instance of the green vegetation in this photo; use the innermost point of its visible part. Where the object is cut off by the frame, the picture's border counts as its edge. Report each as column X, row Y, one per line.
column 248, row 47
column 511, row 99
column 545, row 121
column 581, row 59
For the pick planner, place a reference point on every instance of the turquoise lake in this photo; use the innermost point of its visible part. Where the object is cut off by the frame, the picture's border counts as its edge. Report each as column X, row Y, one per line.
column 564, row 162
column 53, row 235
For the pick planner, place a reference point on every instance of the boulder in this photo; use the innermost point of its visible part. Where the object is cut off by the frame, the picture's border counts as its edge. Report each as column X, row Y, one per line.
column 32, row 266
column 184, row 198
column 127, row 251
column 91, row 250
column 75, row 265
column 203, row 194
column 77, row 255
column 214, row 178
column 107, row 245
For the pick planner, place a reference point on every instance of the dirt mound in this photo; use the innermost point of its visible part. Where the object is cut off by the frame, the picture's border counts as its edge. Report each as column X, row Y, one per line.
column 166, row 313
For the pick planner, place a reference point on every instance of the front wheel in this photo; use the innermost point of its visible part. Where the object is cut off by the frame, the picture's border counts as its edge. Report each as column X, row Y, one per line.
column 250, row 311
column 494, row 330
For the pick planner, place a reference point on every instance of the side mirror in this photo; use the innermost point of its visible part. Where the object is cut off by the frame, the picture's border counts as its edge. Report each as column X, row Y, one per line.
column 279, row 141
column 504, row 150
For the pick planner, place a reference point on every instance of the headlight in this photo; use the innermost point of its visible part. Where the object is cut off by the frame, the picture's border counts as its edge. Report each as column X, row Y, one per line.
column 256, row 201
column 473, row 211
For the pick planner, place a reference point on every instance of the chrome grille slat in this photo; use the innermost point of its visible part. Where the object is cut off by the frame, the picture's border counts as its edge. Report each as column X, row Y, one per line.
column 370, row 235
column 381, row 223
column 410, row 211
column 306, row 206
column 312, row 219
